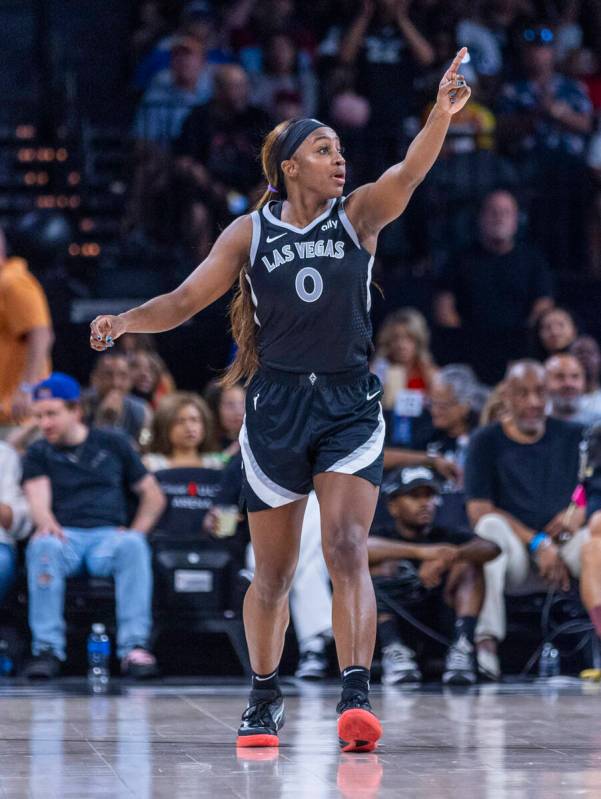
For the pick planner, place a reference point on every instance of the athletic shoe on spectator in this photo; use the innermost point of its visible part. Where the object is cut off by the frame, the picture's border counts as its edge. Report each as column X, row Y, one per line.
column 489, row 665
column 43, row 666
column 399, row 665
column 312, row 666
column 140, row 664
column 460, row 664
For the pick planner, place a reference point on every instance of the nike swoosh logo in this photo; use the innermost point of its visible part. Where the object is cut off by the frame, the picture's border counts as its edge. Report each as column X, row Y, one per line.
column 375, row 394
column 269, row 239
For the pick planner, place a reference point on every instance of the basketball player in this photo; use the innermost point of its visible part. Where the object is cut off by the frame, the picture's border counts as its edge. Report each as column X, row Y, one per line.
column 301, row 321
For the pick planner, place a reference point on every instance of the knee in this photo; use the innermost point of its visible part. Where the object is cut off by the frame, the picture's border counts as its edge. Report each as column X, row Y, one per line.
column 272, row 585
column 493, row 527
column 43, row 549
column 594, row 525
column 590, row 554
column 345, row 550
column 132, row 546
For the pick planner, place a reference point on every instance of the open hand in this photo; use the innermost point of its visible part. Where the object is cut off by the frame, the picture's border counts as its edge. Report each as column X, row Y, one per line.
column 104, row 331
column 453, row 91
column 47, row 527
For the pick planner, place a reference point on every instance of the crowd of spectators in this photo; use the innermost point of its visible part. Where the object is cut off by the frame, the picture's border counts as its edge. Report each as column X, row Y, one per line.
column 478, row 498
column 212, row 78
column 483, row 454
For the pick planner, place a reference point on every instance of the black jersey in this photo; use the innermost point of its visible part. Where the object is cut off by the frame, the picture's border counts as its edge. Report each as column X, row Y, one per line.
column 311, row 291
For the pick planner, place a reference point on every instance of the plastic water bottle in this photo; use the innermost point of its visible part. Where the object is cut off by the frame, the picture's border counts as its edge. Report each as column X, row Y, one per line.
column 99, row 655
column 6, row 662
column 549, row 664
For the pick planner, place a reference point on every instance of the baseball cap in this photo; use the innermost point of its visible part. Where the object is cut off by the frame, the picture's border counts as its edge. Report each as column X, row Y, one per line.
column 405, row 479
column 57, row 386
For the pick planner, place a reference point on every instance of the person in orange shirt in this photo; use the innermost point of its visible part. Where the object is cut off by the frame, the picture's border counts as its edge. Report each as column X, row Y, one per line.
column 25, row 338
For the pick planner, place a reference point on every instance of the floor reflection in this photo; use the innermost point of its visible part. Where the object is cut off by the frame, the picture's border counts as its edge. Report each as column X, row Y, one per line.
column 536, row 741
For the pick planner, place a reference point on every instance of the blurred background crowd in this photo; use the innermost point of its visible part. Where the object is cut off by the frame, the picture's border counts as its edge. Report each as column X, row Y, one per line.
column 133, row 140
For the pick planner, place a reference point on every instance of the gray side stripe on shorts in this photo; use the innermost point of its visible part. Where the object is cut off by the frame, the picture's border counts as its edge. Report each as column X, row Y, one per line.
column 264, row 487
column 365, row 454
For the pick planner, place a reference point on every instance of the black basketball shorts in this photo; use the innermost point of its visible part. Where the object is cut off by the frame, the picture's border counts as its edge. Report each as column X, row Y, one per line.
column 297, row 426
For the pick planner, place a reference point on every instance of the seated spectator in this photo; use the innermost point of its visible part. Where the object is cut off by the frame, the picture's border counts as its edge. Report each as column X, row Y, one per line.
column 544, row 111
column 133, row 343
column 14, row 516
column 566, row 384
column 586, row 349
column 519, row 479
column 556, row 331
column 152, row 40
column 174, row 92
column 188, row 469
column 182, row 434
column 283, row 72
column 217, row 154
column 109, row 402
column 25, row 338
column 544, row 119
column 77, row 481
column 148, row 373
column 442, row 438
column 227, row 405
column 404, row 365
column 494, row 291
column 421, row 567
column 454, row 404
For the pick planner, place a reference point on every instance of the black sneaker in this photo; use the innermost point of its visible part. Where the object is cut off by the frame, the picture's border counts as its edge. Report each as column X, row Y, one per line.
column 358, row 727
column 261, row 721
column 460, row 664
column 43, row 666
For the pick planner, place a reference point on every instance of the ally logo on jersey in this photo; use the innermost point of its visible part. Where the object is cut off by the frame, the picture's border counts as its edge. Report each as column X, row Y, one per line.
column 322, row 248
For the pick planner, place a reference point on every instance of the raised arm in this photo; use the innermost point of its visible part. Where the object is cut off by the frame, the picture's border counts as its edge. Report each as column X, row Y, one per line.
column 374, row 205
column 209, row 281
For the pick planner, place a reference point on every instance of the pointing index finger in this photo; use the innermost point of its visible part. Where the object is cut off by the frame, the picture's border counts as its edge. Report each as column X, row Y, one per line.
column 456, row 62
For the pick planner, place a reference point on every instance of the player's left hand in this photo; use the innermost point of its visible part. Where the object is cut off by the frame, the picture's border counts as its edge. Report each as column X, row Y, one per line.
column 453, row 91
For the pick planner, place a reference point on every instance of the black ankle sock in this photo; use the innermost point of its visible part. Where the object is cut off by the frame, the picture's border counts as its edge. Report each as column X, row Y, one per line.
column 354, row 679
column 263, row 685
column 388, row 632
column 465, row 625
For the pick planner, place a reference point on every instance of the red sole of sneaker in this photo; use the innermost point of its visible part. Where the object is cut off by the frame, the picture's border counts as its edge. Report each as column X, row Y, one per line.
column 358, row 730
column 257, row 740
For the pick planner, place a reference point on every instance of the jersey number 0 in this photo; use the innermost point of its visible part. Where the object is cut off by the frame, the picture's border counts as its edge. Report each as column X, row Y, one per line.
column 310, row 276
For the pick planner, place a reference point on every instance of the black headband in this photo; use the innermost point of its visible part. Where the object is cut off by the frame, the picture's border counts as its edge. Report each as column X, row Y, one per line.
column 295, row 136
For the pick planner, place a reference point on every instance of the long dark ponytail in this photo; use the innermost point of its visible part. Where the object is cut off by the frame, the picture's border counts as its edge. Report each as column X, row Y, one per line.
column 242, row 311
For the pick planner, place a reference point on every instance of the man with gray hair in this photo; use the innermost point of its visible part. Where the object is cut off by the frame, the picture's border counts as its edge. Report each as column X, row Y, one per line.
column 519, row 479
column 455, row 400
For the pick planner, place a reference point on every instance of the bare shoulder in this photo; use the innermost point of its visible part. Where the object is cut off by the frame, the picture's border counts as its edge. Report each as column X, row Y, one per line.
column 237, row 234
